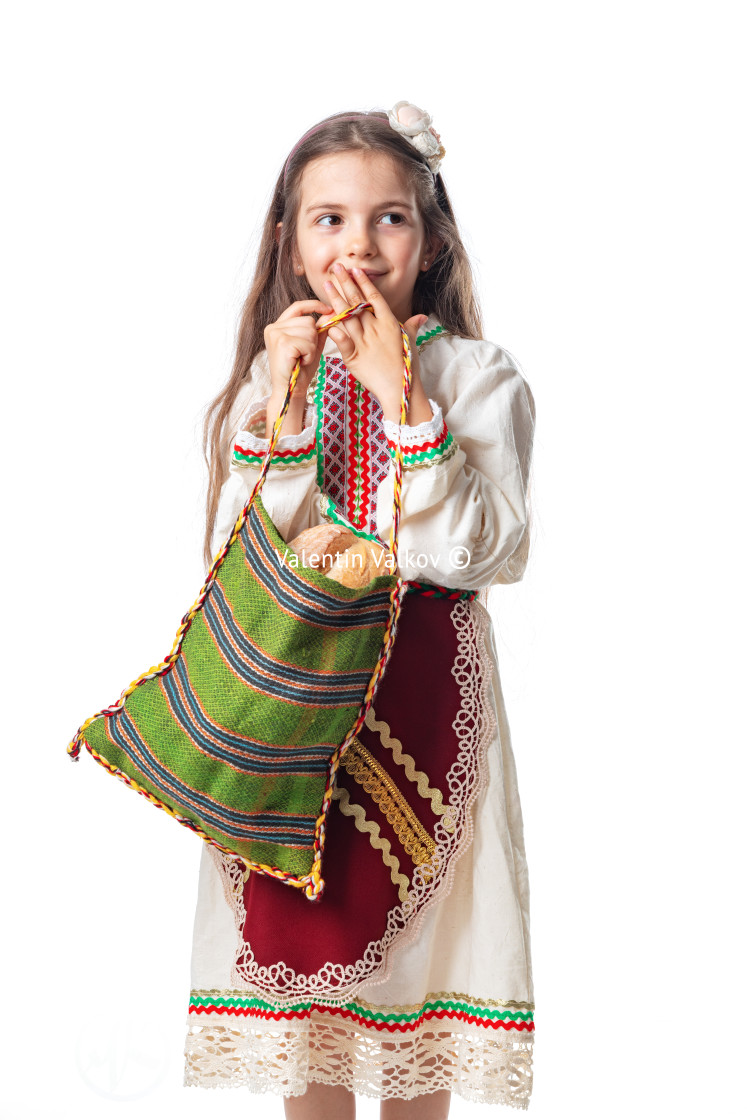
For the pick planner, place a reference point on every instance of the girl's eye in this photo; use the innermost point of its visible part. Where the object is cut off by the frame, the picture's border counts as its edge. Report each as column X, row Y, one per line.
column 329, row 220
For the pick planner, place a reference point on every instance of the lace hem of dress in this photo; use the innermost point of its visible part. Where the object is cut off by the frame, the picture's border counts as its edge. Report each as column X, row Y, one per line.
column 484, row 1066
column 475, row 726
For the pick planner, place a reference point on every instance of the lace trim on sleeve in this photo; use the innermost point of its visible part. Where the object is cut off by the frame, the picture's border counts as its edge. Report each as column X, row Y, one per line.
column 425, row 444
column 294, row 450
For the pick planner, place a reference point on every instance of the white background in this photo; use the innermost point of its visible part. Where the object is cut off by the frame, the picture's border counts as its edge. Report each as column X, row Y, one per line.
column 594, row 158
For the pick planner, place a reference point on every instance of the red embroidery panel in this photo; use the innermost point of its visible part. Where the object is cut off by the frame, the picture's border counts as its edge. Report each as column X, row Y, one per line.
column 356, row 459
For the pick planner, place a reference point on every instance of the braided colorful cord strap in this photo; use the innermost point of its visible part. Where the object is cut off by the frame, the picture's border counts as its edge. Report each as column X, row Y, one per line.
column 312, row 884
column 313, row 891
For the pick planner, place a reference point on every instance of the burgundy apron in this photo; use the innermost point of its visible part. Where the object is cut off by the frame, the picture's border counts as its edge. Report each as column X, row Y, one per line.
column 396, row 790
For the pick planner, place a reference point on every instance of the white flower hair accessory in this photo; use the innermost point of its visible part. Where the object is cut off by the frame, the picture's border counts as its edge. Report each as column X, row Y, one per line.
column 415, row 125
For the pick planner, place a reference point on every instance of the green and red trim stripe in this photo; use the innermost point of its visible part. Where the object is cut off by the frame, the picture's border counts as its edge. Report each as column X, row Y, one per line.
column 519, row 1017
column 359, row 454
column 427, row 451
column 245, row 452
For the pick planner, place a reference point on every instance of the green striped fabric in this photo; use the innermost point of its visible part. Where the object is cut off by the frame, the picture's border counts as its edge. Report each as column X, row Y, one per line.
column 236, row 736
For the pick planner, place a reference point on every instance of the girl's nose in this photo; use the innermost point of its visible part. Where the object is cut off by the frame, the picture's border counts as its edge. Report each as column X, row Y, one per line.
column 360, row 242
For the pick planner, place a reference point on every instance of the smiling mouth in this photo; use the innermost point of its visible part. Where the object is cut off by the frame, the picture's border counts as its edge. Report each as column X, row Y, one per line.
column 371, row 273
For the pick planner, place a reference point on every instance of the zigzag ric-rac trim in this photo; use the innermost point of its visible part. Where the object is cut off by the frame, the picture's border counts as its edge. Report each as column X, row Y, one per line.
column 423, row 339
column 381, row 844
column 418, row 777
column 510, row 1015
column 280, row 459
column 443, row 446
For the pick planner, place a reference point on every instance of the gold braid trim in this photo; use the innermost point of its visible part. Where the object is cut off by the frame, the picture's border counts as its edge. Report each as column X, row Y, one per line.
column 358, row 814
column 371, row 775
column 457, row 997
column 418, row 777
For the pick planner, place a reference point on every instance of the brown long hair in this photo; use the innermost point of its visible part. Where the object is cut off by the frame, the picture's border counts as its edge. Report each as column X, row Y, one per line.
column 445, row 290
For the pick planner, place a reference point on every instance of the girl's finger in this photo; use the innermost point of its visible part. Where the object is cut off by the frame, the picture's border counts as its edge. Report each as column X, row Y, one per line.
column 305, row 307
column 338, row 327
column 352, row 297
column 339, row 303
column 343, row 341
column 333, row 298
column 336, row 300
column 349, row 286
column 301, row 338
column 371, row 293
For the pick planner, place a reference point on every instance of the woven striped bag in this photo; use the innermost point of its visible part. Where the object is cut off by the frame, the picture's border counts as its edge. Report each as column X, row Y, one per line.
column 239, row 732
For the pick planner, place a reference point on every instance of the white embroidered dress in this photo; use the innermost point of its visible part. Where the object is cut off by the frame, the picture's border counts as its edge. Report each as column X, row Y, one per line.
column 449, row 1003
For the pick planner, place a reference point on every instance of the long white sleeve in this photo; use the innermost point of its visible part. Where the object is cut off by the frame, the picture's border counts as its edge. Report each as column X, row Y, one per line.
column 465, row 481
column 290, row 493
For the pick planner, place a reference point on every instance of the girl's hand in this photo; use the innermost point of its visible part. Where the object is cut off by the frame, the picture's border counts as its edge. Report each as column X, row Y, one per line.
column 370, row 345
column 293, row 336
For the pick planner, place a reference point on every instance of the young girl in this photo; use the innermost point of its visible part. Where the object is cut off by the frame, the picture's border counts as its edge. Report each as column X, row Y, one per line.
column 411, row 978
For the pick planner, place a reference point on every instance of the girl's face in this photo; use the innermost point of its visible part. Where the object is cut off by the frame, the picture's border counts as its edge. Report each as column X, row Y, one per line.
column 357, row 209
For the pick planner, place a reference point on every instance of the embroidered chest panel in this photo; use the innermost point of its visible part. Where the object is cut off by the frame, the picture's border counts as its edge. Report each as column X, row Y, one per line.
column 352, row 455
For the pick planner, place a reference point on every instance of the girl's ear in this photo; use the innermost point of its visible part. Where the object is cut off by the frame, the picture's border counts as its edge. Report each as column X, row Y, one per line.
column 432, row 248
column 298, row 268
column 297, row 265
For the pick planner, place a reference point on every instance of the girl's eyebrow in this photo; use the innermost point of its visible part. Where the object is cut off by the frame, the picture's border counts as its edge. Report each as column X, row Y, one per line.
column 339, row 206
